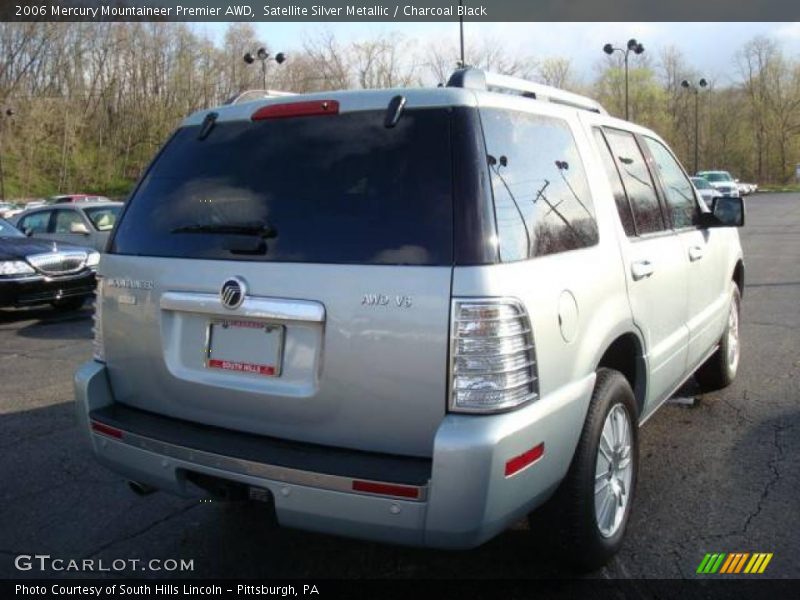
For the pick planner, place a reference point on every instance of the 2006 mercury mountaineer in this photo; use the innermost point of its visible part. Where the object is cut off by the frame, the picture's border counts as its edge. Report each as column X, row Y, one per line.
column 410, row 315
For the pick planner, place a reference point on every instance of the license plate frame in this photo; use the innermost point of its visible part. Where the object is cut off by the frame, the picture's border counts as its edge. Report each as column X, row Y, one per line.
column 245, row 367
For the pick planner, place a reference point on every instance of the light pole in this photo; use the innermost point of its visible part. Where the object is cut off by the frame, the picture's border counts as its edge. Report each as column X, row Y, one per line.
column 636, row 48
column 696, row 89
column 263, row 56
column 461, row 31
column 5, row 115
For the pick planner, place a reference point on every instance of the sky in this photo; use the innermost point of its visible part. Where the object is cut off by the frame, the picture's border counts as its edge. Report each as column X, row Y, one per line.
column 709, row 47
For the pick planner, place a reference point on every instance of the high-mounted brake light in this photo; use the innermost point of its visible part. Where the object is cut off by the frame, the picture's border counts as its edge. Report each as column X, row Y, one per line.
column 104, row 429
column 313, row 108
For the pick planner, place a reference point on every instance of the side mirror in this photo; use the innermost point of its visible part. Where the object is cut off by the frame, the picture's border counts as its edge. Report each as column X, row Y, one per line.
column 736, row 180
column 78, row 227
column 726, row 211
column 28, row 231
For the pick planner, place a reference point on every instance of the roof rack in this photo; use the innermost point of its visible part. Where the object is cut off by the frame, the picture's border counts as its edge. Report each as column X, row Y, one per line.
column 477, row 79
column 250, row 95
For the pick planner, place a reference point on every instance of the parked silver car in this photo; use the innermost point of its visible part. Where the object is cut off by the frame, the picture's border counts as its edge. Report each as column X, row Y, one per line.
column 85, row 224
column 722, row 181
column 745, row 188
column 410, row 315
column 708, row 193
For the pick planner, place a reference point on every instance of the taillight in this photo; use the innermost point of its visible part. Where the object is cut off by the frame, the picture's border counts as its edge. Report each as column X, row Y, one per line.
column 99, row 350
column 313, row 108
column 493, row 358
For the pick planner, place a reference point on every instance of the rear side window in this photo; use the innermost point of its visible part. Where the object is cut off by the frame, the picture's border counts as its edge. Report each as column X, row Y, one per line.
column 620, row 197
column 541, row 194
column 638, row 183
column 328, row 189
column 103, row 217
column 66, row 220
column 678, row 190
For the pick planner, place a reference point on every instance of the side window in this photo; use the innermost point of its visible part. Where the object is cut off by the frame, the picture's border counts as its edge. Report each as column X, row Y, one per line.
column 620, row 197
column 35, row 223
column 638, row 183
column 681, row 202
column 541, row 194
column 65, row 219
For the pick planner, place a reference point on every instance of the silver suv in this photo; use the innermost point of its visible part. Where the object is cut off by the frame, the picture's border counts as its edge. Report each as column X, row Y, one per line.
column 410, row 315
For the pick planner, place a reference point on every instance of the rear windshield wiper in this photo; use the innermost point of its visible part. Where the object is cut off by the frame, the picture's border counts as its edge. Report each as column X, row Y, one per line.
column 255, row 229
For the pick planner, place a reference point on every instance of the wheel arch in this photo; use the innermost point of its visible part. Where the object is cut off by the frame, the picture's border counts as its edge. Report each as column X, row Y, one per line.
column 625, row 354
column 738, row 276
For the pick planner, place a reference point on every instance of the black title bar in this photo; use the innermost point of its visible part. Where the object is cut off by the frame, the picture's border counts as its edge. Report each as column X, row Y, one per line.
column 399, row 11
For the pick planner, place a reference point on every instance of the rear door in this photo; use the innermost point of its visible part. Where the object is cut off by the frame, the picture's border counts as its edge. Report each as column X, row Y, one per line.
column 335, row 233
column 654, row 261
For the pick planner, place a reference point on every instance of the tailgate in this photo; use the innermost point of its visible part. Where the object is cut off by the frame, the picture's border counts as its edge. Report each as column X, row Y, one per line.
column 359, row 353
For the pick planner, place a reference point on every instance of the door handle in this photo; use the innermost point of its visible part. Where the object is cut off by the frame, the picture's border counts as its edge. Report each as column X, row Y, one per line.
column 695, row 253
column 642, row 269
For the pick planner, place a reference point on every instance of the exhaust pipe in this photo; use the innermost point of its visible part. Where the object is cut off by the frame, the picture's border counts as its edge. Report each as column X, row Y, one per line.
column 141, row 489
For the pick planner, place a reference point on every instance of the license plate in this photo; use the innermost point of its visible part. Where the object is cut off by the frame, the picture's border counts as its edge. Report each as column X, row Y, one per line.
column 249, row 347
column 260, row 494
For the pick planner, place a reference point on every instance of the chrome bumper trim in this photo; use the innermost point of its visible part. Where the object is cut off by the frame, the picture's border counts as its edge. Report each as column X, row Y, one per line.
column 242, row 466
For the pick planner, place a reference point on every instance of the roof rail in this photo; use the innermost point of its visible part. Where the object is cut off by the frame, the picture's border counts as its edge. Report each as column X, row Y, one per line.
column 477, row 79
column 250, row 95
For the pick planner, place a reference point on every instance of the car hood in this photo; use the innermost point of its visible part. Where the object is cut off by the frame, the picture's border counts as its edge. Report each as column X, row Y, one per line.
column 19, row 247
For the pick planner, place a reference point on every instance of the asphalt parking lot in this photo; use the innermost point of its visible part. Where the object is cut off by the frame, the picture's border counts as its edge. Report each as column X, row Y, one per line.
column 719, row 475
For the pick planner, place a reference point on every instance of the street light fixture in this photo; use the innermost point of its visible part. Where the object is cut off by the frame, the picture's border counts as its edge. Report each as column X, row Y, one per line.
column 263, row 57
column 696, row 89
column 632, row 46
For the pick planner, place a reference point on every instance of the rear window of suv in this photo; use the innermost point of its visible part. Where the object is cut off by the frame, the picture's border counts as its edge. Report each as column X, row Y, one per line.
column 329, row 189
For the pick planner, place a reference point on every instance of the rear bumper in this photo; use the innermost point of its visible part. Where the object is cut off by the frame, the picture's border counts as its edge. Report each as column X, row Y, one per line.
column 466, row 499
column 34, row 290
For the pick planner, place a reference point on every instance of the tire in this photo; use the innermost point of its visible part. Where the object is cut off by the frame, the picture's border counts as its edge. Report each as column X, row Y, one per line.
column 720, row 369
column 586, row 541
column 69, row 304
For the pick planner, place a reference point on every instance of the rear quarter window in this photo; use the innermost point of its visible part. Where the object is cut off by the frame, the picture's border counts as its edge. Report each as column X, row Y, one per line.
column 542, row 200
column 330, row 189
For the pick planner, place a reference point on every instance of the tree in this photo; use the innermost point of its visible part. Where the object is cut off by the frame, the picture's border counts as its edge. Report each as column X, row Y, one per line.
column 557, row 72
